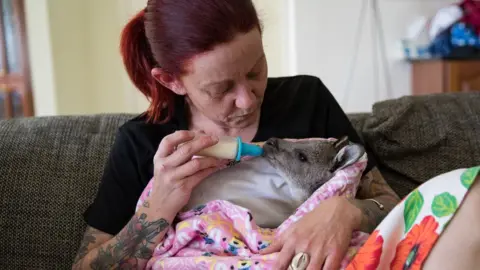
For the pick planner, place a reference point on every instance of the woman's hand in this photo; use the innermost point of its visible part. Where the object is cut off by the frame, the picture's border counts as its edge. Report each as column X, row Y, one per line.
column 324, row 234
column 176, row 173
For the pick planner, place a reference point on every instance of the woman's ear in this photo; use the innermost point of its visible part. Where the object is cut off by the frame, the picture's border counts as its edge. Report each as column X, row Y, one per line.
column 169, row 81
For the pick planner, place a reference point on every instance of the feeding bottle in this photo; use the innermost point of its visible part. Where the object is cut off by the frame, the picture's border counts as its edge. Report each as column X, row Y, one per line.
column 232, row 148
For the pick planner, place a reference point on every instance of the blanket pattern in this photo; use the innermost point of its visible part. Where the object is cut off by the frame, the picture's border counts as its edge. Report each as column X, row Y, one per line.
column 222, row 235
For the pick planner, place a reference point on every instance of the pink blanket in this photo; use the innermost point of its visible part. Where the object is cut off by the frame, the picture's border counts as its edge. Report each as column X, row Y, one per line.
column 221, row 235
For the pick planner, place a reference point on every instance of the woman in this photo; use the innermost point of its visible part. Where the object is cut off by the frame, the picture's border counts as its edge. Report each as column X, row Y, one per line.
column 202, row 65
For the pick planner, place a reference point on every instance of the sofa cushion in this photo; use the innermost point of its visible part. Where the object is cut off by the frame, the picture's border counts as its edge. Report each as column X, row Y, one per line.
column 418, row 137
column 358, row 122
column 49, row 172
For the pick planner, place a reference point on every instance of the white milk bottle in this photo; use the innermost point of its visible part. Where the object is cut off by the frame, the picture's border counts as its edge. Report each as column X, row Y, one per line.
column 232, row 148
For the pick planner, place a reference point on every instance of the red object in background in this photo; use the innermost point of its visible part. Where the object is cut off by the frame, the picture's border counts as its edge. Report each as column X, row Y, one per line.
column 471, row 17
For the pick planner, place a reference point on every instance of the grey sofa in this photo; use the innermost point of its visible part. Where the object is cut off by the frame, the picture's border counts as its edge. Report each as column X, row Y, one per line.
column 50, row 166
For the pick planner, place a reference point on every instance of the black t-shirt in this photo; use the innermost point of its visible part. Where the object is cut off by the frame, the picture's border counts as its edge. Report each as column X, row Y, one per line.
column 293, row 107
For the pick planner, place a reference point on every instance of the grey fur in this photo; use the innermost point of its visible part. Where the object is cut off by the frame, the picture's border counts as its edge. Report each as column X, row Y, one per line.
column 294, row 180
column 308, row 164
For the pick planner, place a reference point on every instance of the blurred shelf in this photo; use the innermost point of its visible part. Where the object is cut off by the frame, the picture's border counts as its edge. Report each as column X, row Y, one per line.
column 441, row 76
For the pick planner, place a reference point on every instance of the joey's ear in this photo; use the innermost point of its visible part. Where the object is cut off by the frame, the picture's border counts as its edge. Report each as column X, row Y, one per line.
column 340, row 143
column 347, row 156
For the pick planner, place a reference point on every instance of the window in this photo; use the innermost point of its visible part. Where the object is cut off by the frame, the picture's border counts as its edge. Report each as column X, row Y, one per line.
column 15, row 84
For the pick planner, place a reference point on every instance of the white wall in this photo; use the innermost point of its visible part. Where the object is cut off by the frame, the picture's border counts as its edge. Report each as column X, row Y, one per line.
column 324, row 35
column 41, row 58
column 274, row 16
column 60, row 56
column 71, row 55
column 107, row 75
column 75, row 61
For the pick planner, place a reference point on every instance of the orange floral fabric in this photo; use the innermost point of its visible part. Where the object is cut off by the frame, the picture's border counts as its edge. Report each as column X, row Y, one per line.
column 414, row 248
column 406, row 236
column 368, row 256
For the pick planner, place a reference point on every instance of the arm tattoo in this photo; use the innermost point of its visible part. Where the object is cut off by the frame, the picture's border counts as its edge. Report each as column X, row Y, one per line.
column 146, row 204
column 133, row 244
column 89, row 238
column 374, row 187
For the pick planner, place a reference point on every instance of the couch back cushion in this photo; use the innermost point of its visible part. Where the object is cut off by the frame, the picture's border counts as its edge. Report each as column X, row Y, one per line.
column 49, row 172
column 418, row 137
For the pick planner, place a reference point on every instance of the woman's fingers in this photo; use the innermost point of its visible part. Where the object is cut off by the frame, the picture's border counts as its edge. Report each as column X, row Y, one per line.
column 333, row 261
column 194, row 180
column 169, row 143
column 285, row 257
column 194, row 166
column 275, row 246
column 316, row 261
column 185, row 152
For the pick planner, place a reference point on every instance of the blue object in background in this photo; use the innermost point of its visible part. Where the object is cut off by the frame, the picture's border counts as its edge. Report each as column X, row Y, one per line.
column 414, row 51
column 461, row 36
column 441, row 45
column 459, row 40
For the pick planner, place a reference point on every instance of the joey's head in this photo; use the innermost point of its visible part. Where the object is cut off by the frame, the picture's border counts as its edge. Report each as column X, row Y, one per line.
column 308, row 164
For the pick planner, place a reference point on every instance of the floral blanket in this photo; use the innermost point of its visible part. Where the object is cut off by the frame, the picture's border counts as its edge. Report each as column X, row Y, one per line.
column 221, row 235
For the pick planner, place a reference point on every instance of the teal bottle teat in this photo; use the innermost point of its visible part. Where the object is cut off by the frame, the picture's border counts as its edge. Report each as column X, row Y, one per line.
column 247, row 149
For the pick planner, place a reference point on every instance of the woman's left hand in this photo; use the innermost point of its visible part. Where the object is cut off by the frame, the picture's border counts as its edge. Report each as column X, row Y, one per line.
column 324, row 234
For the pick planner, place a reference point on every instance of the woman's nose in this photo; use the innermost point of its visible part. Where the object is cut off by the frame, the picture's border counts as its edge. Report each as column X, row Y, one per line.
column 245, row 99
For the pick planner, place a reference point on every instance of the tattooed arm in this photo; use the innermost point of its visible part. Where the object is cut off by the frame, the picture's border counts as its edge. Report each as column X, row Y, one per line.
column 92, row 238
column 374, row 188
column 130, row 248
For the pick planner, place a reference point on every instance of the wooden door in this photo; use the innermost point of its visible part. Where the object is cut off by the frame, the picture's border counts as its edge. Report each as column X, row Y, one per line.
column 15, row 85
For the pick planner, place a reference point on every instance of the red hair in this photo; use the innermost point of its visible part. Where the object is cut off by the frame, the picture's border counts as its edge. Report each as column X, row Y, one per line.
column 166, row 34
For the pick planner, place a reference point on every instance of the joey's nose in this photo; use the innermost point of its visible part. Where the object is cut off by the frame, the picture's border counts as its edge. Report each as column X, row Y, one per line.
column 272, row 142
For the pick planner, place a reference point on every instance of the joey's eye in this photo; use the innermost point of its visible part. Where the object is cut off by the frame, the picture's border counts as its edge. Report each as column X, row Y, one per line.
column 301, row 157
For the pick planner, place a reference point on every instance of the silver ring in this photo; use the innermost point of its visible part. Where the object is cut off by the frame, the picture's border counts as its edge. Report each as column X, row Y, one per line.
column 300, row 261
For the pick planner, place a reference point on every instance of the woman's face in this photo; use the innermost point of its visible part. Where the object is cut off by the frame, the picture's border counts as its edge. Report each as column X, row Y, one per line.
column 227, row 84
